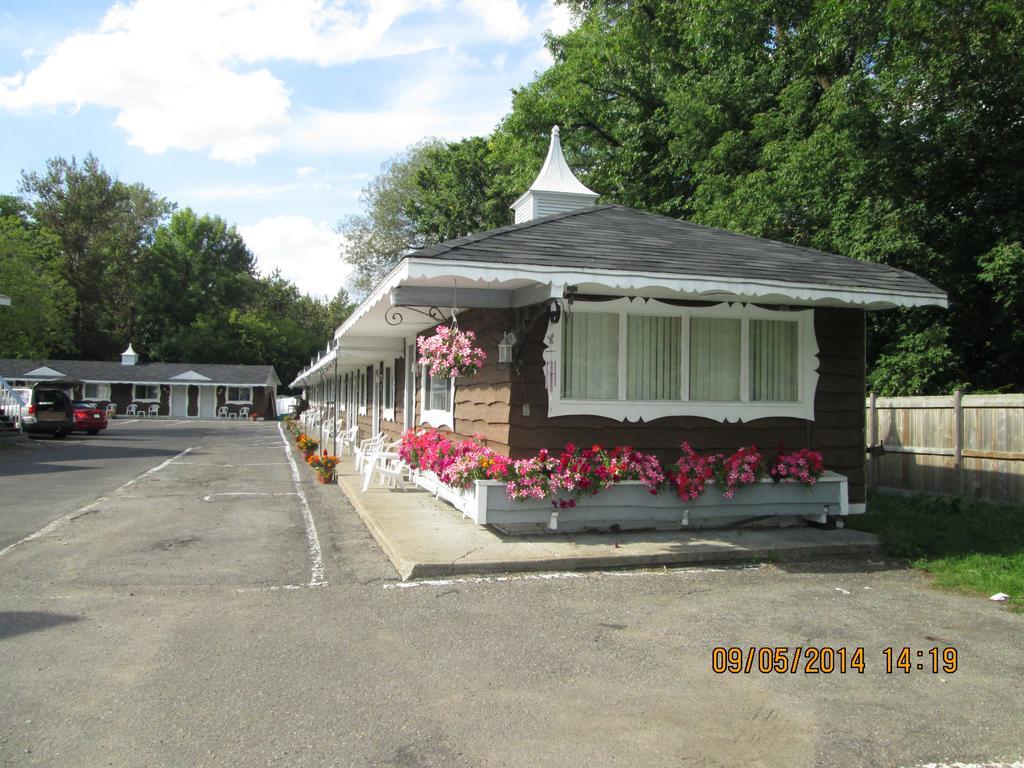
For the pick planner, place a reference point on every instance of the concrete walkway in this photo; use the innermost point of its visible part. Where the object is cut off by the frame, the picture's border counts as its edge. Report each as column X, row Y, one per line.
column 425, row 537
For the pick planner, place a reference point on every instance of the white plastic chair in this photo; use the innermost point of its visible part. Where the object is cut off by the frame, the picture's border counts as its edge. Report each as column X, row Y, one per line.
column 368, row 446
column 389, row 468
column 222, row 412
column 131, row 410
column 111, row 410
column 154, row 410
column 376, row 457
column 348, row 439
column 243, row 412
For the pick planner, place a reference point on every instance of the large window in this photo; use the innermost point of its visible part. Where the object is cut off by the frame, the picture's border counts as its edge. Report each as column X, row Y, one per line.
column 146, row 392
column 634, row 359
column 715, row 358
column 239, row 395
column 591, row 347
column 654, row 357
column 93, row 391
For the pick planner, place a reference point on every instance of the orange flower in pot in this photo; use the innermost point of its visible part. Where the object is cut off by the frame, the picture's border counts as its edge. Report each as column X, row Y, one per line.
column 307, row 444
column 324, row 464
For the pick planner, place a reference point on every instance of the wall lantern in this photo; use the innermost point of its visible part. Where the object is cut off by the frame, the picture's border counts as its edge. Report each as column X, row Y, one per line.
column 505, row 347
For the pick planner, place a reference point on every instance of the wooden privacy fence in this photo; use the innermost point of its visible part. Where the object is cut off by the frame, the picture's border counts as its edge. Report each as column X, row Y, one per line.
column 961, row 445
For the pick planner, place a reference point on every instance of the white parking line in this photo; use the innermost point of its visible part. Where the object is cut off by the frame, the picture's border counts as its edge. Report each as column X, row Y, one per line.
column 61, row 521
column 316, row 578
column 248, row 493
column 236, row 466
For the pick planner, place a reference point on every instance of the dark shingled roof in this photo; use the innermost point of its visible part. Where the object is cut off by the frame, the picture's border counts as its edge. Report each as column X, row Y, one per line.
column 615, row 237
column 104, row 370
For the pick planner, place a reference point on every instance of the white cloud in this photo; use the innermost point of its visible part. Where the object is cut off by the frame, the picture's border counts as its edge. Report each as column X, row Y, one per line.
column 390, row 131
column 557, row 19
column 306, row 252
column 196, row 74
column 304, row 170
column 504, row 19
column 241, row 191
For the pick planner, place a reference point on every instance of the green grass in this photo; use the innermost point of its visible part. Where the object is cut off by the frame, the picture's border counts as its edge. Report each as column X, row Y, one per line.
column 967, row 546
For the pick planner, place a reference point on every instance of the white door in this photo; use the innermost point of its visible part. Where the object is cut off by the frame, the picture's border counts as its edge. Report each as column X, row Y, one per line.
column 207, row 402
column 179, row 400
column 377, row 392
column 409, row 415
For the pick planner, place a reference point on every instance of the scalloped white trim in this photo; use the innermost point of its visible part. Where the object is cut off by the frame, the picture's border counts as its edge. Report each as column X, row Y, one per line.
column 665, row 285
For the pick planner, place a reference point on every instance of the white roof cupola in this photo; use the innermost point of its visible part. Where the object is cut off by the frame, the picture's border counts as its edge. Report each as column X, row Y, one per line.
column 555, row 190
column 129, row 356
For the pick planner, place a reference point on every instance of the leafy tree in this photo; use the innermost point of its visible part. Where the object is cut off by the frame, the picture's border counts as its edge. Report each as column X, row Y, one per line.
column 198, row 271
column 287, row 327
column 104, row 227
column 376, row 240
column 37, row 324
column 886, row 131
column 454, row 193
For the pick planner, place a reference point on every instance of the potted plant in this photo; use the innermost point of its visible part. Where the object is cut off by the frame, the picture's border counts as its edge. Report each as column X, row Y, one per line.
column 450, row 352
column 307, row 444
column 324, row 464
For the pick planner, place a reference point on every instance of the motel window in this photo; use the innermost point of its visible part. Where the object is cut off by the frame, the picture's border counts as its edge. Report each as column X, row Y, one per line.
column 437, row 397
column 774, row 360
column 146, row 392
column 239, row 394
column 591, row 356
column 715, row 358
column 94, row 391
column 635, row 359
column 389, row 387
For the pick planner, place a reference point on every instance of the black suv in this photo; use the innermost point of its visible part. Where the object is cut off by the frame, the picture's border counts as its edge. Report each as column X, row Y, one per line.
column 47, row 409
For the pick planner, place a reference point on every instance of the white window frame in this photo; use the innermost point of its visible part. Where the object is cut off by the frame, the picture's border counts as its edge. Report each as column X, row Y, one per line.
column 103, row 390
column 388, row 371
column 436, row 417
column 743, row 410
column 361, row 391
column 137, row 399
column 227, row 395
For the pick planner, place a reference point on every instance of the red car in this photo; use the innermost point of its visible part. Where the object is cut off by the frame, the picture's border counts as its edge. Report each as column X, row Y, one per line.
column 89, row 419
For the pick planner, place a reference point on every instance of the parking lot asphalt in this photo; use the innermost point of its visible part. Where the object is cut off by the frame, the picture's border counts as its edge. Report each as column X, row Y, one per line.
column 181, row 620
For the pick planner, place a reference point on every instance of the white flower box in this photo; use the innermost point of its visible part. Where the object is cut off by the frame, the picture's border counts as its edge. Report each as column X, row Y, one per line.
column 631, row 505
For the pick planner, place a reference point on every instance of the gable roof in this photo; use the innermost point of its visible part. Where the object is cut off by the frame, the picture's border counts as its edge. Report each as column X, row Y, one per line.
column 617, row 238
column 150, row 373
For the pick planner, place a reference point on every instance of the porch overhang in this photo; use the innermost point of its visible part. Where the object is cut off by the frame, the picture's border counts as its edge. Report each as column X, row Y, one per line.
column 419, row 293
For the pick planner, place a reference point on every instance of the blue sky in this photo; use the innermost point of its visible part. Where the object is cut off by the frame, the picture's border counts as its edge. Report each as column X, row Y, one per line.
column 270, row 113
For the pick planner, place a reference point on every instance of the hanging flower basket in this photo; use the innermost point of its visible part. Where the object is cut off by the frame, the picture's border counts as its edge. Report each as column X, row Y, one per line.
column 450, row 352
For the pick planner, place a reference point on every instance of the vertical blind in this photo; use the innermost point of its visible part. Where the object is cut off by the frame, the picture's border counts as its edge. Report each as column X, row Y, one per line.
column 653, row 358
column 773, row 360
column 715, row 358
column 590, row 343
column 654, row 364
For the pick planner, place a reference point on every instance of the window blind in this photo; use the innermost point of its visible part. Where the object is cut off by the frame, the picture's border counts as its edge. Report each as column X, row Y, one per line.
column 773, row 360
column 591, row 352
column 653, row 357
column 715, row 358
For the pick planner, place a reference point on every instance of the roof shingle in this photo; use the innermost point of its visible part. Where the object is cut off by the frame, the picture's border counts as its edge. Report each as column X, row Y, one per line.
column 614, row 237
